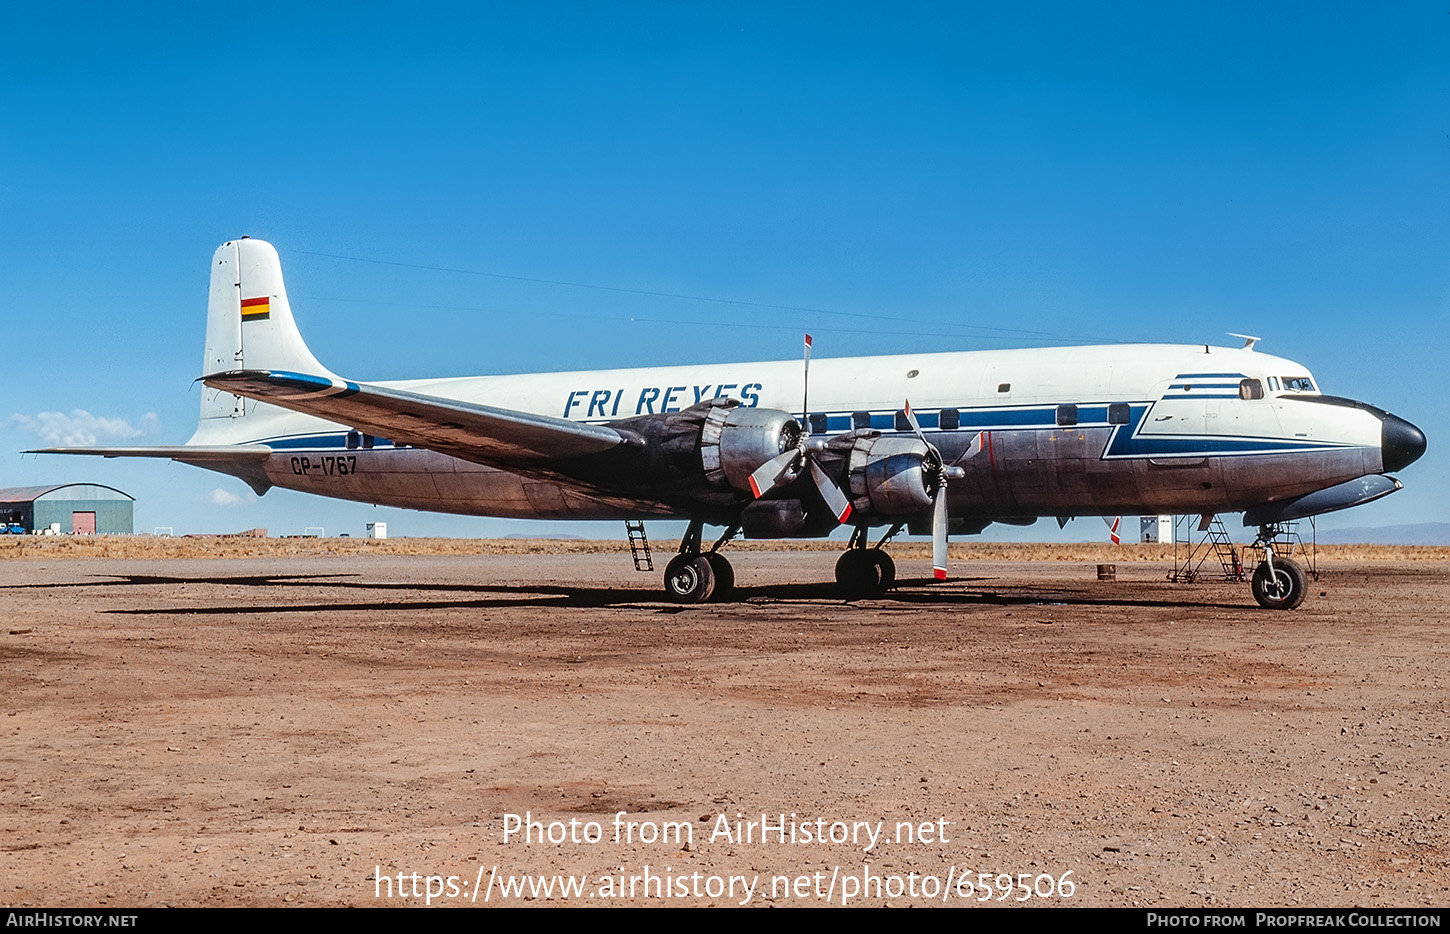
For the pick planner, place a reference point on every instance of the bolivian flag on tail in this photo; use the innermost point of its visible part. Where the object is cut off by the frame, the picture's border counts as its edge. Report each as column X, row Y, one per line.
column 256, row 309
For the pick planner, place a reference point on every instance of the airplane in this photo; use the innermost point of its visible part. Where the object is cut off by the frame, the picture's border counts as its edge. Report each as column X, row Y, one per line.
column 994, row 436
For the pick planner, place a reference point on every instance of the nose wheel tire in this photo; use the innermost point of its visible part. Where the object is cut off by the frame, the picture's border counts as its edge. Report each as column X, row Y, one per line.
column 689, row 579
column 1280, row 587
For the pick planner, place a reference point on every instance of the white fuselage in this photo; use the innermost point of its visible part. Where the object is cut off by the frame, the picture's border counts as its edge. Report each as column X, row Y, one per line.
column 1101, row 430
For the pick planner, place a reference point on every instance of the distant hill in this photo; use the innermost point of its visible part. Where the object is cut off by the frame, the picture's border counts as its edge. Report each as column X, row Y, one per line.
column 1419, row 533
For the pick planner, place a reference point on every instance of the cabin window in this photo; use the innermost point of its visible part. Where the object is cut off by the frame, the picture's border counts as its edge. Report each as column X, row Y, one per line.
column 861, row 420
column 949, row 420
column 367, row 442
column 1067, row 415
column 1119, row 413
column 902, row 422
column 352, row 440
column 1004, row 387
column 1251, row 389
column 1298, row 384
column 818, row 422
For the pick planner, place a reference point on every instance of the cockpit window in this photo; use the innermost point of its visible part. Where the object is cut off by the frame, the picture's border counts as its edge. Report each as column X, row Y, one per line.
column 1298, row 383
column 1251, row 389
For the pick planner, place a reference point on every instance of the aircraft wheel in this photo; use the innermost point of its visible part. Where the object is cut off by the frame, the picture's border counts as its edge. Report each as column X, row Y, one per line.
column 724, row 577
column 858, row 573
column 1282, row 589
column 885, row 566
column 689, row 579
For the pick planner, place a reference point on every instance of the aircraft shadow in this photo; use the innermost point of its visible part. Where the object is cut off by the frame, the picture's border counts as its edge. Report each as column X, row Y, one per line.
column 911, row 592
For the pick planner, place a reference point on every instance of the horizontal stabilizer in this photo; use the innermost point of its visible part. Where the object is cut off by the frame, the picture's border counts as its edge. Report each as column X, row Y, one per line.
column 479, row 433
column 191, row 454
column 246, row 462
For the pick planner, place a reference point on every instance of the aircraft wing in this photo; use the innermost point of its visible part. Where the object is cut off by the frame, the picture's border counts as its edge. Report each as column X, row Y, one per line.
column 480, row 433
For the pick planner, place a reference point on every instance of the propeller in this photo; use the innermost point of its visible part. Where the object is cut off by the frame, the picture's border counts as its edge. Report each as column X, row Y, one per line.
column 940, row 473
column 785, row 467
column 1113, row 523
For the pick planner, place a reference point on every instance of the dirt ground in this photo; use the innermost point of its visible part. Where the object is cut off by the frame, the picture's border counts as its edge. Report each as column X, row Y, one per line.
column 386, row 729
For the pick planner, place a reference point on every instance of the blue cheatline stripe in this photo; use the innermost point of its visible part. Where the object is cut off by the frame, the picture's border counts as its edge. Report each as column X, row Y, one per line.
column 1210, row 376
column 318, row 442
column 1088, row 415
column 1123, row 443
column 1203, row 395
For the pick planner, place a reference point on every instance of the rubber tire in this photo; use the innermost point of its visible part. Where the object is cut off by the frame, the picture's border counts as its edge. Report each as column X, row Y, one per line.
column 859, row 575
column 886, row 567
column 1291, row 588
column 689, row 579
column 724, row 578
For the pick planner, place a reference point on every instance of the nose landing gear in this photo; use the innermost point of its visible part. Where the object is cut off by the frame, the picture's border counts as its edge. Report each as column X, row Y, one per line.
column 1279, row 583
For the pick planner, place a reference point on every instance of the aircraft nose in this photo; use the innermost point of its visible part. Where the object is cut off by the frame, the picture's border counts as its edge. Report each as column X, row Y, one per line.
column 1401, row 443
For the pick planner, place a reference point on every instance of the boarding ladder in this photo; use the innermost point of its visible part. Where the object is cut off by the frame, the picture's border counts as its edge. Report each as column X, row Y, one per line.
column 1224, row 550
column 639, row 546
column 1215, row 544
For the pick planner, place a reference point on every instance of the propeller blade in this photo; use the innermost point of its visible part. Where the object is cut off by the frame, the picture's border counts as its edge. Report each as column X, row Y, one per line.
column 973, row 449
column 939, row 501
column 939, row 534
column 768, row 475
column 806, row 389
column 1113, row 523
column 911, row 420
column 839, row 505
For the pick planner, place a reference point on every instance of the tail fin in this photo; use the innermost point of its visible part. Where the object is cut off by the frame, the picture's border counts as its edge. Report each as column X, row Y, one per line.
column 249, row 323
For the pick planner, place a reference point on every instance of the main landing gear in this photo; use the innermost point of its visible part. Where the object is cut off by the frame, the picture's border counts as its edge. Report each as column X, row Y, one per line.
column 693, row 577
column 866, row 572
column 696, row 576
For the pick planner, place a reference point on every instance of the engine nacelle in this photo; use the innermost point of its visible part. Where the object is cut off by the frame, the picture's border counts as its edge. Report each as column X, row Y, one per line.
column 735, row 441
column 891, row 476
column 701, row 456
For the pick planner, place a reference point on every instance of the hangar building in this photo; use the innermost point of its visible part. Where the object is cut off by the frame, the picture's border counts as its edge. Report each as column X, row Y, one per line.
column 80, row 508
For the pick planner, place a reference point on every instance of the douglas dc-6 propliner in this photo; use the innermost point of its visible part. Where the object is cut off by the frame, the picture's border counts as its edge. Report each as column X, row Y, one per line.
column 993, row 436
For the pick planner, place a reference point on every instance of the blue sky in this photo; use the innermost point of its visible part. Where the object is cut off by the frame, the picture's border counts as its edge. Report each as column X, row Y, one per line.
column 638, row 184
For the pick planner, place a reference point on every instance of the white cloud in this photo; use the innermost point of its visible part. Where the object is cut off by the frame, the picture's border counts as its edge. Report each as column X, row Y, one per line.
column 82, row 429
column 220, row 497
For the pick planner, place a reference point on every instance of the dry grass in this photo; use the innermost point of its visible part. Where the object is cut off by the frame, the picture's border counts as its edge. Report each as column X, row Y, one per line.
column 146, row 546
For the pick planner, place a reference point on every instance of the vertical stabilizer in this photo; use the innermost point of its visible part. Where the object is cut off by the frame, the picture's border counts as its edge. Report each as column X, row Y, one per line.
column 249, row 324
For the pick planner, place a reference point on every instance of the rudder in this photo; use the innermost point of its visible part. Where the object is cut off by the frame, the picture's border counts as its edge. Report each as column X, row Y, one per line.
column 249, row 323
